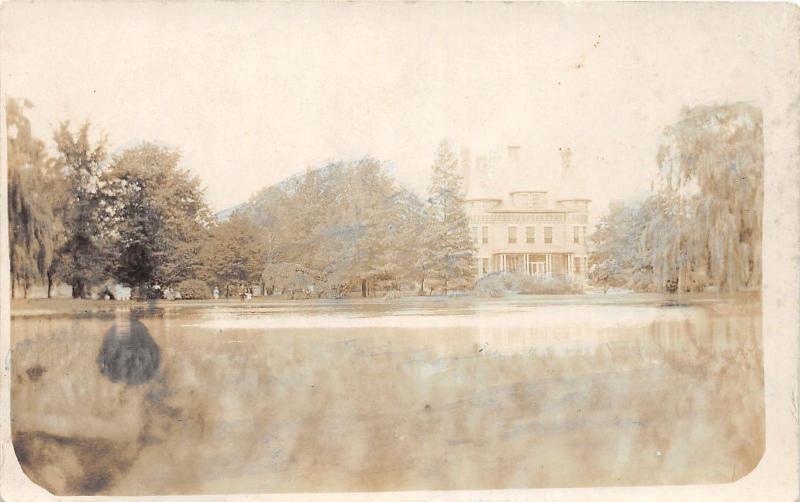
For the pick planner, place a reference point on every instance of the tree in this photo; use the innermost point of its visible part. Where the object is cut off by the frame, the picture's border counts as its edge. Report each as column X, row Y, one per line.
column 162, row 218
column 618, row 258
column 708, row 226
column 88, row 209
column 363, row 232
column 234, row 252
column 295, row 278
column 33, row 224
column 401, row 256
column 350, row 221
column 450, row 262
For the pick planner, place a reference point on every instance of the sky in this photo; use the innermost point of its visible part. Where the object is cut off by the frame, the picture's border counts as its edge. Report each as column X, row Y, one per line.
column 252, row 93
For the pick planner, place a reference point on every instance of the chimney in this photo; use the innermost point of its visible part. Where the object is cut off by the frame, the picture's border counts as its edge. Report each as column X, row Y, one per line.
column 465, row 163
column 513, row 154
column 566, row 160
column 481, row 176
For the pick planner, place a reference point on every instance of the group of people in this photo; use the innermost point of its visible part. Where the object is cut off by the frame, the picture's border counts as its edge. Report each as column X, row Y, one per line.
column 171, row 294
column 245, row 292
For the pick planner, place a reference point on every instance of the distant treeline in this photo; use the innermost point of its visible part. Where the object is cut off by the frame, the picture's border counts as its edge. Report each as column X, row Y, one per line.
column 84, row 218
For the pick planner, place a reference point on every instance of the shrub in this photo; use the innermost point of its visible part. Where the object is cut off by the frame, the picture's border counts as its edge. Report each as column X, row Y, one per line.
column 393, row 295
column 194, row 289
column 643, row 282
column 490, row 286
column 672, row 285
column 146, row 293
column 498, row 284
column 549, row 285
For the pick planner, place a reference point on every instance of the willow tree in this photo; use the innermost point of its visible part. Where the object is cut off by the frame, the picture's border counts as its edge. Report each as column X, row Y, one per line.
column 708, row 227
column 33, row 227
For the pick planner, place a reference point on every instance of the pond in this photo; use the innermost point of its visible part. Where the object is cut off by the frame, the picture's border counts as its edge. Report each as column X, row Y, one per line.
column 414, row 394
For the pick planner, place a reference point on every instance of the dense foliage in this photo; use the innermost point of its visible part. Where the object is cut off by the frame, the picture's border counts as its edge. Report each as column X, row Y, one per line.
column 34, row 227
column 88, row 209
column 139, row 218
column 232, row 254
column 702, row 226
column 348, row 225
column 498, row 284
column 194, row 289
column 161, row 217
column 447, row 250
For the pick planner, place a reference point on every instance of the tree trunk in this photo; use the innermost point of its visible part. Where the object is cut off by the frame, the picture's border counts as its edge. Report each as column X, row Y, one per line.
column 49, row 285
column 78, row 289
column 13, row 287
column 422, row 286
column 363, row 288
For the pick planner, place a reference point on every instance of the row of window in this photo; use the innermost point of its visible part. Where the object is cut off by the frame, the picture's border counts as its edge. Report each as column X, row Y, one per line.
column 579, row 235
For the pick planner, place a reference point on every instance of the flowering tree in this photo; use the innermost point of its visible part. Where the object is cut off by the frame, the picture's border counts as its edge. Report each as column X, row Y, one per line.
column 88, row 210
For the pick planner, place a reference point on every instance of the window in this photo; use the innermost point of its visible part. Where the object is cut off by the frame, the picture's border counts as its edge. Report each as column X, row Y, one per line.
column 484, row 265
column 548, row 235
column 485, row 235
column 576, row 235
column 512, row 235
column 530, row 235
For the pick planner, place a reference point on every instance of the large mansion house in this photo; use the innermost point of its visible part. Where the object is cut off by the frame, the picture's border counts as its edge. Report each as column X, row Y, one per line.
column 526, row 232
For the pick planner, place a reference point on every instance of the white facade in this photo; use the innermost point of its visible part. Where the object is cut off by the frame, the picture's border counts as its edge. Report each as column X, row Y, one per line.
column 527, row 233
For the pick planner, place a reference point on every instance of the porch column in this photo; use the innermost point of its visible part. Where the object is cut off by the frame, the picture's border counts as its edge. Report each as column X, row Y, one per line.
column 569, row 264
column 548, row 263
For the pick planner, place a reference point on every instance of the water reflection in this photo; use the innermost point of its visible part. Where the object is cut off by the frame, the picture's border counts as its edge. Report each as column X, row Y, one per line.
column 128, row 354
column 566, row 396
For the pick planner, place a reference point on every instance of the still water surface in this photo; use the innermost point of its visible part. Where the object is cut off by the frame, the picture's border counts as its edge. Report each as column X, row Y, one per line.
column 417, row 394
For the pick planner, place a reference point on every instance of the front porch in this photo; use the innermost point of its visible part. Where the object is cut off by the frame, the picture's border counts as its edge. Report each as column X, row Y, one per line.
column 535, row 263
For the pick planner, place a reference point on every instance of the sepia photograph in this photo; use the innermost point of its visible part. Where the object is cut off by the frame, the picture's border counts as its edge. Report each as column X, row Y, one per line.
column 442, row 249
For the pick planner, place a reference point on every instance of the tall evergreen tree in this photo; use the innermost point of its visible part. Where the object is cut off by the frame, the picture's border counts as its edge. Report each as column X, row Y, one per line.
column 449, row 262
